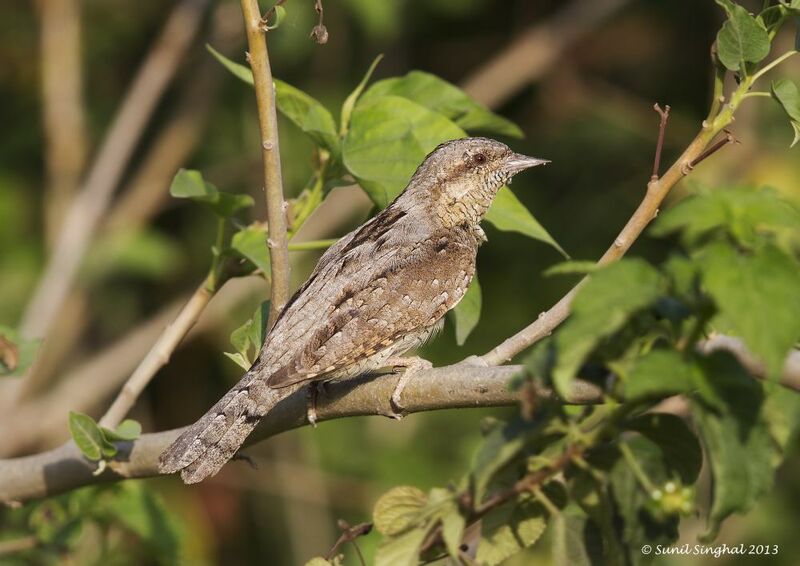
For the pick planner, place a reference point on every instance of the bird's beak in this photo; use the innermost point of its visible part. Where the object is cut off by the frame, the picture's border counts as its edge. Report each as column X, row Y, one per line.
column 518, row 162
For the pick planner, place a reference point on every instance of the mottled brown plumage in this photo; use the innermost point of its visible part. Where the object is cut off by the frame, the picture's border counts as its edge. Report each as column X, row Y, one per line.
column 382, row 290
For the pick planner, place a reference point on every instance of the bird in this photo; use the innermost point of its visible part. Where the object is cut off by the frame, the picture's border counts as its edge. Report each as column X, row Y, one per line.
column 379, row 292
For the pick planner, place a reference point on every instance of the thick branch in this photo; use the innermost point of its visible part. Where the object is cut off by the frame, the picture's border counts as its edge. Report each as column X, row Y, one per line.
column 459, row 386
column 270, row 153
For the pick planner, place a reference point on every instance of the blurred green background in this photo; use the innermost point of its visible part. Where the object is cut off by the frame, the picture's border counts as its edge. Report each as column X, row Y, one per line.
column 589, row 110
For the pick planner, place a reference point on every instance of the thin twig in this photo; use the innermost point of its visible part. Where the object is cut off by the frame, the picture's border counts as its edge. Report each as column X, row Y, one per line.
column 157, row 357
column 713, row 149
column 657, row 191
column 662, row 127
column 320, row 33
column 270, row 153
column 525, row 484
column 349, row 534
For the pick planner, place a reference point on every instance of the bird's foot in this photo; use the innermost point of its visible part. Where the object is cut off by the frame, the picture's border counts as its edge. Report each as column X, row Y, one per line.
column 312, row 391
column 409, row 367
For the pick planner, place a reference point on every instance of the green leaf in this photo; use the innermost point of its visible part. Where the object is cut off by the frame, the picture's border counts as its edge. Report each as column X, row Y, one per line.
column 350, row 101
column 302, row 110
column 507, row 213
column 509, row 529
column 679, row 445
column 468, row 312
column 500, row 446
column 251, row 243
column 128, row 429
column 568, row 547
column 140, row 511
column 89, row 438
column 16, row 353
column 787, row 95
column 402, row 550
column 453, row 524
column 398, row 510
column 308, row 114
column 659, row 373
column 240, row 360
column 743, row 212
column 737, row 441
column 602, row 307
column 250, row 335
column 572, row 267
column 742, row 38
column 635, row 507
column 444, row 98
column 190, row 184
column 388, row 138
column 280, row 14
column 239, row 71
column 757, row 296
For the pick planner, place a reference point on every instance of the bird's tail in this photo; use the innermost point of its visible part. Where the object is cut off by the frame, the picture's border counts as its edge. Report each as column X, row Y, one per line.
column 208, row 444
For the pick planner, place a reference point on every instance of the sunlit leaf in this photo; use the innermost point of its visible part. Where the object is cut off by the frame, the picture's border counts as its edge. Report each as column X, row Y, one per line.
column 444, row 98
column 602, row 307
column 388, row 138
column 191, row 185
column 787, row 95
column 251, row 243
column 398, row 510
column 88, row 437
column 352, row 98
column 302, row 109
column 742, row 38
column 509, row 529
column 737, row 441
column 507, row 213
column 757, row 296
column 468, row 312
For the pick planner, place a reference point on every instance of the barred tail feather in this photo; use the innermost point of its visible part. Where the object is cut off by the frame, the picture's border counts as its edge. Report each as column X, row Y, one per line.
column 208, row 444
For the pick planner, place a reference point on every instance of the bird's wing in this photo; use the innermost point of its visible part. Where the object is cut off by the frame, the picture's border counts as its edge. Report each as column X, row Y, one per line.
column 362, row 310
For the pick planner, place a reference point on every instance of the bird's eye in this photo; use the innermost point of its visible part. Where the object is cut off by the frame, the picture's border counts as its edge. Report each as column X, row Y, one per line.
column 479, row 159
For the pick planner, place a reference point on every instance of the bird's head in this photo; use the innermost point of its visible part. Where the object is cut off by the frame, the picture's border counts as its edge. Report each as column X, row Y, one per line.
column 460, row 178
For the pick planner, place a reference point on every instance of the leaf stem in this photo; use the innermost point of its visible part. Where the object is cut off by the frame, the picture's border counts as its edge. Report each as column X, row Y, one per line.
column 767, row 68
column 637, row 470
column 312, row 245
column 756, row 93
column 213, row 279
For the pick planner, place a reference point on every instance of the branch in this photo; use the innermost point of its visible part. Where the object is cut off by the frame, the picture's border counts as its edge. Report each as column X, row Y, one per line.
column 457, row 386
column 63, row 115
column 88, row 207
column 42, row 421
column 271, row 157
column 157, row 357
column 657, row 191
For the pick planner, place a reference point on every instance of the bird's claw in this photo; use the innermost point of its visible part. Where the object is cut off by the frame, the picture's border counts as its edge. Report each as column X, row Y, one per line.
column 409, row 367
